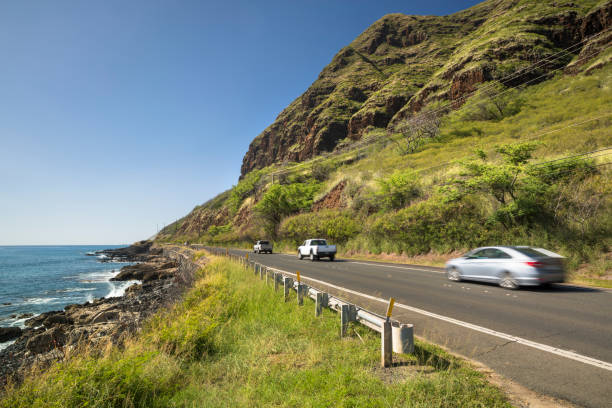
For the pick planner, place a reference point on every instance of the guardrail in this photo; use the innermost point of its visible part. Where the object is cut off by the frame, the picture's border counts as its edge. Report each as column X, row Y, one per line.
column 395, row 336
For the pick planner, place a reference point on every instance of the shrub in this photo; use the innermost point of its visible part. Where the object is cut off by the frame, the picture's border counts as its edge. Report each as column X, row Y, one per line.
column 214, row 230
column 243, row 189
column 283, row 200
column 399, row 189
column 430, row 225
column 339, row 226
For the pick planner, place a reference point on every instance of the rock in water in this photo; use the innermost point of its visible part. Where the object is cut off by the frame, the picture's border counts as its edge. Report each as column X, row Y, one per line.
column 9, row 333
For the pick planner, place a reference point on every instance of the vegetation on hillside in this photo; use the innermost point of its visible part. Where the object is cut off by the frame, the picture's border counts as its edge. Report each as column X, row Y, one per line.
column 402, row 65
column 232, row 341
column 483, row 179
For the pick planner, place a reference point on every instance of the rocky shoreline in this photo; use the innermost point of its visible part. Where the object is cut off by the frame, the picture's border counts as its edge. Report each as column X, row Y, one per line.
column 52, row 336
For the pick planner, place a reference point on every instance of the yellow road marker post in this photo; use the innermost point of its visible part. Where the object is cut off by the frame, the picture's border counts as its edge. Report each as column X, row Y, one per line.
column 390, row 308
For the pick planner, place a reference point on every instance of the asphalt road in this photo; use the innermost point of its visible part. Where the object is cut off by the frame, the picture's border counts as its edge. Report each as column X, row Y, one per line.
column 563, row 343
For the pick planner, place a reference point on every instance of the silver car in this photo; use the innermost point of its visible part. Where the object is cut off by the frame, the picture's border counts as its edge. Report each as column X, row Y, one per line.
column 508, row 266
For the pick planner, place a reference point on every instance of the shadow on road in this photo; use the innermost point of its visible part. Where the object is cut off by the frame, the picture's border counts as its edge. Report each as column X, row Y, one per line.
column 552, row 288
column 560, row 288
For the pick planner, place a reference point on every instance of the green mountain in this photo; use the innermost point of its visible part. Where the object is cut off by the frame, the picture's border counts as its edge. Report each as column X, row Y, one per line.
column 428, row 135
column 402, row 63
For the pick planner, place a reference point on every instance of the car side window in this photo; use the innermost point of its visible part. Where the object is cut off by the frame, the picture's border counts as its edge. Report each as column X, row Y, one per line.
column 499, row 254
column 479, row 254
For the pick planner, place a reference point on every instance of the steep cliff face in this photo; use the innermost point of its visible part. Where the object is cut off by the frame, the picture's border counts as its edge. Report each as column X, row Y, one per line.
column 402, row 63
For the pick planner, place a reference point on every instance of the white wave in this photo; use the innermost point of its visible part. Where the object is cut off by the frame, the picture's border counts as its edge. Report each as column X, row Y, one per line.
column 89, row 298
column 69, row 290
column 40, row 301
column 117, row 289
column 102, row 256
column 6, row 344
column 21, row 322
column 16, row 322
column 97, row 277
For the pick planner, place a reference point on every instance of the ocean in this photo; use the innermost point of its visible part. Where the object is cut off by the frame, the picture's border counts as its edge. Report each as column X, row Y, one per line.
column 38, row 279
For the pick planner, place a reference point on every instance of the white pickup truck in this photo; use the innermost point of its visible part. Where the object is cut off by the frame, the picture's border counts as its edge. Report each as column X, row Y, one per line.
column 262, row 246
column 317, row 249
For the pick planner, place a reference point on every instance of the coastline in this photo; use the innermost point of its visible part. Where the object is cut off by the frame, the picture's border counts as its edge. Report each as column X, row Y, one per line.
column 155, row 280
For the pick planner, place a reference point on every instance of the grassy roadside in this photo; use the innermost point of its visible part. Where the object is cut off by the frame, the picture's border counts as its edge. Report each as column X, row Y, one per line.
column 233, row 342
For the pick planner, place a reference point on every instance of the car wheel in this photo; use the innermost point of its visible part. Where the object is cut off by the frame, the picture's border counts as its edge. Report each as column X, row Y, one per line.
column 508, row 282
column 331, row 258
column 270, row 252
column 300, row 255
column 454, row 275
column 312, row 257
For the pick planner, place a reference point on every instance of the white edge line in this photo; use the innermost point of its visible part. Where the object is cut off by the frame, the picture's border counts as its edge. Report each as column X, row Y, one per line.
column 396, row 267
column 539, row 346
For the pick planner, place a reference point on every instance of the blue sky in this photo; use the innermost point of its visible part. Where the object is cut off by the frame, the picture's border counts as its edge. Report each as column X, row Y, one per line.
column 119, row 116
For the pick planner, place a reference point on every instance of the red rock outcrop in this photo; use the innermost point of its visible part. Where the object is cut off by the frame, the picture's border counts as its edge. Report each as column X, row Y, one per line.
column 331, row 200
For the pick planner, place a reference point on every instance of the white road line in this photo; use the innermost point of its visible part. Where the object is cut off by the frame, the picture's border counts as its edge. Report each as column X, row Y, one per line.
column 396, row 267
column 539, row 346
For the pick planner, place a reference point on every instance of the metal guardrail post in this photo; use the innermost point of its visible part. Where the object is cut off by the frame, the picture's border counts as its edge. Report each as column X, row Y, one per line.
column 300, row 293
column 321, row 302
column 386, row 348
column 344, row 319
column 287, row 285
column 277, row 280
column 262, row 271
column 352, row 313
column 267, row 276
column 403, row 338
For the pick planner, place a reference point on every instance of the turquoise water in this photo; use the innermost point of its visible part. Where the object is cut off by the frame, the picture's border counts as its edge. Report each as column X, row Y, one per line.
column 37, row 279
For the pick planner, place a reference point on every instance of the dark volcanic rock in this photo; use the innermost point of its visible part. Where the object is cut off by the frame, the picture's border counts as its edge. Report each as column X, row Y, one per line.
column 9, row 333
column 94, row 324
column 57, row 319
column 145, row 271
column 136, row 252
column 47, row 340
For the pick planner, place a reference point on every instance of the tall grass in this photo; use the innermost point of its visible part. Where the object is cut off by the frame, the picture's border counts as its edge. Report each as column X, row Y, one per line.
column 232, row 341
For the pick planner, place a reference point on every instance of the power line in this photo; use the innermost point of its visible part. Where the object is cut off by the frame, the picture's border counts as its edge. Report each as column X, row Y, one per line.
column 526, row 69
column 577, row 155
column 503, row 79
column 508, row 89
column 531, row 138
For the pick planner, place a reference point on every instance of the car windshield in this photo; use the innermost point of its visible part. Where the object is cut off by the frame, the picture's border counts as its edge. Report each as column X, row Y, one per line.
column 318, row 242
column 264, row 242
column 531, row 252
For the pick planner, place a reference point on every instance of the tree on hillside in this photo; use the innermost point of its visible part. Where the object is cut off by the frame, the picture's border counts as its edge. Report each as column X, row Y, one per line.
column 397, row 190
column 281, row 200
column 492, row 101
column 418, row 129
column 523, row 192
